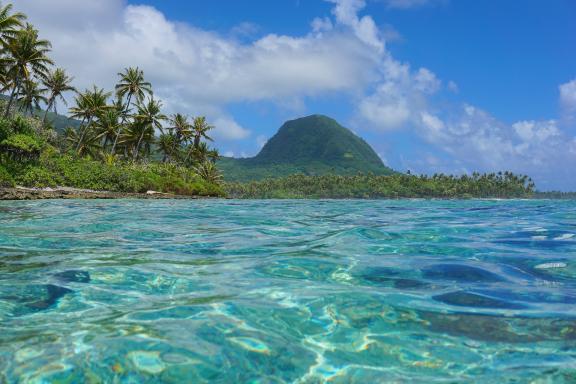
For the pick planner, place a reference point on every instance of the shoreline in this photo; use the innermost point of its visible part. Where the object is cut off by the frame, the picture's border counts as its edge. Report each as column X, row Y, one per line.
column 59, row 193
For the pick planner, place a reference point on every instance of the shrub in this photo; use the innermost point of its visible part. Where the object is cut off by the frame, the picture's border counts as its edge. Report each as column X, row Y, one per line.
column 5, row 129
column 6, row 180
column 38, row 177
column 21, row 146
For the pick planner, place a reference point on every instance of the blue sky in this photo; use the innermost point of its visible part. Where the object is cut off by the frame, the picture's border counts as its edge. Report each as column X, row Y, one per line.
column 433, row 85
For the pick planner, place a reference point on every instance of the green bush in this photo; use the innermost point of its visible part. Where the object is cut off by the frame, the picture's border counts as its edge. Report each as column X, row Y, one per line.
column 38, row 177
column 6, row 180
column 5, row 129
column 23, row 125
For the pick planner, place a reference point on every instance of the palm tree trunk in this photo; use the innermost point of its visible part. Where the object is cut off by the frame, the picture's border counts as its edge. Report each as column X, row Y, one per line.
column 121, row 124
column 50, row 102
column 137, row 149
column 16, row 86
column 83, row 133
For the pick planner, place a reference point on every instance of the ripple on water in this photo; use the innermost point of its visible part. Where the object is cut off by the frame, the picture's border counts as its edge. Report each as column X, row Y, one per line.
column 222, row 291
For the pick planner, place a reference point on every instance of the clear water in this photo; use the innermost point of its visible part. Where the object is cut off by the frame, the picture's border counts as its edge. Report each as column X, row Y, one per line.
column 222, row 291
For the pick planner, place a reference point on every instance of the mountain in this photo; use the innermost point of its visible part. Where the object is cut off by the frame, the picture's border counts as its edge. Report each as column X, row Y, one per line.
column 312, row 145
column 59, row 122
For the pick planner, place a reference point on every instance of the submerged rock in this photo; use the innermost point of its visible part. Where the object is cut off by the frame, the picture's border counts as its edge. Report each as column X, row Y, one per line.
column 73, row 276
column 460, row 273
column 54, row 293
column 500, row 329
column 467, row 299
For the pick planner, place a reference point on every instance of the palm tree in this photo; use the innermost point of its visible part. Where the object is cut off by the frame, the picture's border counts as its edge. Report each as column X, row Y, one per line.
column 208, row 172
column 168, row 145
column 213, row 155
column 108, row 125
column 181, row 127
column 132, row 84
column 200, row 127
column 9, row 23
column 30, row 96
column 27, row 56
column 56, row 82
column 89, row 104
column 148, row 118
column 86, row 144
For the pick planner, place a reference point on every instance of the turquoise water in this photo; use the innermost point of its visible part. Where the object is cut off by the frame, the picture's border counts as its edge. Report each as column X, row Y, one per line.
column 224, row 291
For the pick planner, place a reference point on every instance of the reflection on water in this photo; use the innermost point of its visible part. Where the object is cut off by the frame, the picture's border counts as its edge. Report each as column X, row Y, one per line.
column 287, row 291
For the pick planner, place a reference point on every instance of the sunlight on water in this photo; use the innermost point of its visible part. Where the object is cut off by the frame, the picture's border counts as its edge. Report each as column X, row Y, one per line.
column 220, row 291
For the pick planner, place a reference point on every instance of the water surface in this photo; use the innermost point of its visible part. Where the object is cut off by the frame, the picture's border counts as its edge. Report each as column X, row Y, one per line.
column 225, row 291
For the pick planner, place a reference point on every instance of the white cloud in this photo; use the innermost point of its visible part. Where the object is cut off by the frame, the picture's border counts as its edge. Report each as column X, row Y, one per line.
column 535, row 130
column 196, row 71
column 475, row 140
column 261, row 140
column 346, row 13
column 226, row 128
column 568, row 99
column 399, row 98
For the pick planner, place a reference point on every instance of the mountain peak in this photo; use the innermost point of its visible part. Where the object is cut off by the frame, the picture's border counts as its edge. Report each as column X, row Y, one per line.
column 315, row 144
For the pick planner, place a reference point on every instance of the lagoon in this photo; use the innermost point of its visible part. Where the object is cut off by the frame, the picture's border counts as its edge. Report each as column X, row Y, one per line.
column 252, row 291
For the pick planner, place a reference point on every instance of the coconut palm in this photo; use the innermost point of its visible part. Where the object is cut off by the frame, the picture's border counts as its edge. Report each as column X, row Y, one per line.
column 168, row 146
column 213, row 155
column 208, row 172
column 131, row 85
column 86, row 144
column 9, row 23
column 89, row 104
column 181, row 127
column 200, row 127
column 27, row 57
column 108, row 125
column 30, row 96
column 148, row 119
column 56, row 82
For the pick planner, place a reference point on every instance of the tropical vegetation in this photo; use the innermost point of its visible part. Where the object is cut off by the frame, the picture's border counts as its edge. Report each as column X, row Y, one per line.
column 493, row 185
column 116, row 140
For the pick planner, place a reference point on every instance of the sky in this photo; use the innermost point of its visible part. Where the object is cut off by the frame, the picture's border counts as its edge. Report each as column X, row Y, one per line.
column 451, row 86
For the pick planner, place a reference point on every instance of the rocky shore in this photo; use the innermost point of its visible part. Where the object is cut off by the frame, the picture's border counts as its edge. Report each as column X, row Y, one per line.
column 20, row 193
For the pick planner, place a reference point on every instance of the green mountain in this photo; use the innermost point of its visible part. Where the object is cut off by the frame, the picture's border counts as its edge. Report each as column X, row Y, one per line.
column 313, row 145
column 59, row 122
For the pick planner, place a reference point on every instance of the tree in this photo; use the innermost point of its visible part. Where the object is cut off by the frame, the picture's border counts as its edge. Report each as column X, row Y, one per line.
column 148, row 119
column 200, row 128
column 86, row 144
column 108, row 125
column 132, row 84
column 168, row 145
column 89, row 104
column 30, row 96
column 57, row 82
column 9, row 23
column 181, row 127
column 26, row 57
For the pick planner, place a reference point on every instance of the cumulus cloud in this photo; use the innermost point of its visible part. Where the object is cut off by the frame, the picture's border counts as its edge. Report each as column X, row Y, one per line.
column 400, row 98
column 476, row 140
column 261, row 140
column 568, row 101
column 197, row 71
column 346, row 13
